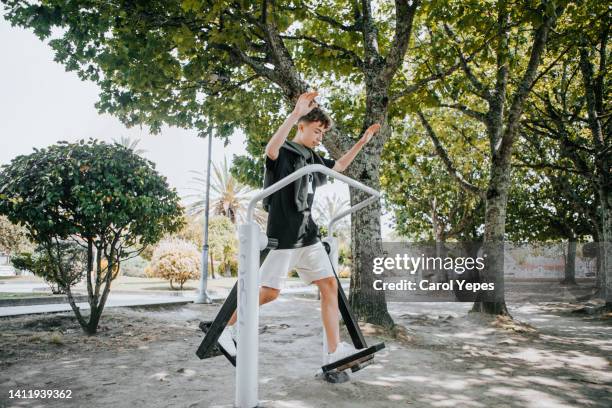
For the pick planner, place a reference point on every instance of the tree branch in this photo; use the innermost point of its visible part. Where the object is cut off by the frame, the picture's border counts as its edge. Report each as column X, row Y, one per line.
column 480, row 87
column 550, row 66
column 256, row 66
column 601, row 73
column 422, row 82
column 357, row 62
column 287, row 78
column 443, row 155
column 544, row 165
column 370, row 43
column 516, row 108
column 404, row 17
column 586, row 68
column 331, row 21
column 479, row 116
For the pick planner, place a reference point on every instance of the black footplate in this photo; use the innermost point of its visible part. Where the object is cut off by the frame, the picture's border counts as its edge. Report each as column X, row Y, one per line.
column 356, row 361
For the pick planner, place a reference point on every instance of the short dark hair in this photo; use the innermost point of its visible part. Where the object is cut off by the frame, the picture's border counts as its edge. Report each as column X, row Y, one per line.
column 317, row 115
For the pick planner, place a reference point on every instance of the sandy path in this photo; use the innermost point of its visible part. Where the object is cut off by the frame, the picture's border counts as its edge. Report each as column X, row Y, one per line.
column 452, row 359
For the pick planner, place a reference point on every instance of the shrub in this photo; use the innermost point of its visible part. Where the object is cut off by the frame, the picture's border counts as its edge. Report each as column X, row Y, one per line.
column 13, row 238
column 134, row 267
column 222, row 242
column 62, row 265
column 175, row 260
column 233, row 267
column 344, row 254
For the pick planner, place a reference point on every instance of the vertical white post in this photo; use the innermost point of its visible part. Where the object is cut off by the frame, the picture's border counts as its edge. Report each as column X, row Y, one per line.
column 248, row 317
column 203, row 296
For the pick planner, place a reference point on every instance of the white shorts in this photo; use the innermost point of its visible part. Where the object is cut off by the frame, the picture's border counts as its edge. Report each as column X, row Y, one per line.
column 311, row 262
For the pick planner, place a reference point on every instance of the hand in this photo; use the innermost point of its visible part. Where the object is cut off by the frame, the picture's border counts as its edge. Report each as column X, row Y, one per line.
column 305, row 104
column 367, row 135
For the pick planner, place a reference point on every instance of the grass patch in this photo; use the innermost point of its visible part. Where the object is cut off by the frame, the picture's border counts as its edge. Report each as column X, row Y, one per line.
column 56, row 338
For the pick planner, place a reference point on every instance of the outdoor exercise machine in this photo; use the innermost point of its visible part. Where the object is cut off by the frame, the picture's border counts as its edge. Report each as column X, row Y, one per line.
column 245, row 296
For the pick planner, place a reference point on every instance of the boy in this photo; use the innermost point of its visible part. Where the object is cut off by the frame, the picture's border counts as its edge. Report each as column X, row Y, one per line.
column 291, row 223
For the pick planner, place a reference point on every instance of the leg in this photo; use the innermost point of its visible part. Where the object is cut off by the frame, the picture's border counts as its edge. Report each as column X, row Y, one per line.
column 271, row 272
column 329, row 311
column 266, row 295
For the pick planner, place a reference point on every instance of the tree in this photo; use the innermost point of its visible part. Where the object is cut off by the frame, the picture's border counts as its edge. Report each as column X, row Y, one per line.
column 540, row 209
column 222, row 239
column 229, row 196
column 130, row 143
column 100, row 196
column 426, row 201
column 325, row 211
column 570, row 115
column 491, row 87
column 226, row 65
column 192, row 231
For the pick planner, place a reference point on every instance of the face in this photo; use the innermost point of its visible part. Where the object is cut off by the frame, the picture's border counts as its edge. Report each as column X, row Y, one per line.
column 310, row 134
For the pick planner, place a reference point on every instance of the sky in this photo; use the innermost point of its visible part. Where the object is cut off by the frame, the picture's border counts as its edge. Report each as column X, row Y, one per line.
column 41, row 104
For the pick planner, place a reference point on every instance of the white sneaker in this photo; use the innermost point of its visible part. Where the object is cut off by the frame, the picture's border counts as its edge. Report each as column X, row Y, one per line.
column 226, row 341
column 234, row 333
column 343, row 350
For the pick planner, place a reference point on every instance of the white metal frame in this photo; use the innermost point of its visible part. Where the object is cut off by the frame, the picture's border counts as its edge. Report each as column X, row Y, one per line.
column 251, row 242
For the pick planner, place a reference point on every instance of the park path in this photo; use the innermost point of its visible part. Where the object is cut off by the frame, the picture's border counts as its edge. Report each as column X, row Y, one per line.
column 449, row 358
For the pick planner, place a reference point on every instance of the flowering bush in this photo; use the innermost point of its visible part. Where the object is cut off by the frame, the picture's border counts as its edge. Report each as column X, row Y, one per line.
column 175, row 260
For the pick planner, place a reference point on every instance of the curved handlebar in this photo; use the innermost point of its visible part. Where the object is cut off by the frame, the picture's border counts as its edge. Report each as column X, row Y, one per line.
column 314, row 168
column 344, row 213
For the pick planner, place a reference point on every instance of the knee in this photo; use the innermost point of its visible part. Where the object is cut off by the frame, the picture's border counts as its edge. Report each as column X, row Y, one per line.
column 328, row 287
column 269, row 294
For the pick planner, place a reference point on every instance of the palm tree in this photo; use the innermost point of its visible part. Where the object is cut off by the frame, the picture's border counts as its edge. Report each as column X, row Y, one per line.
column 324, row 211
column 130, row 143
column 229, row 197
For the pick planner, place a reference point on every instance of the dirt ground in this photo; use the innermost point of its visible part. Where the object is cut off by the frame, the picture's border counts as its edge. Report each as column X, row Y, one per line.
column 446, row 358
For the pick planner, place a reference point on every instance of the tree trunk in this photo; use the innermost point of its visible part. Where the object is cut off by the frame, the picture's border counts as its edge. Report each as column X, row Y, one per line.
column 593, row 91
column 212, row 266
column 493, row 302
column 367, row 303
column 89, row 327
column 96, row 312
column 570, row 263
column 605, row 249
column 604, row 253
column 76, row 310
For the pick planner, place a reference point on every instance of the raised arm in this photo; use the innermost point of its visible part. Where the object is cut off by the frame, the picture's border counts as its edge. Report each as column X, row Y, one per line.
column 304, row 105
column 343, row 162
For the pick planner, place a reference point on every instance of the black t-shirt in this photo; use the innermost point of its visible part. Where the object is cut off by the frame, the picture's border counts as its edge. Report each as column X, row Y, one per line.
column 292, row 228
